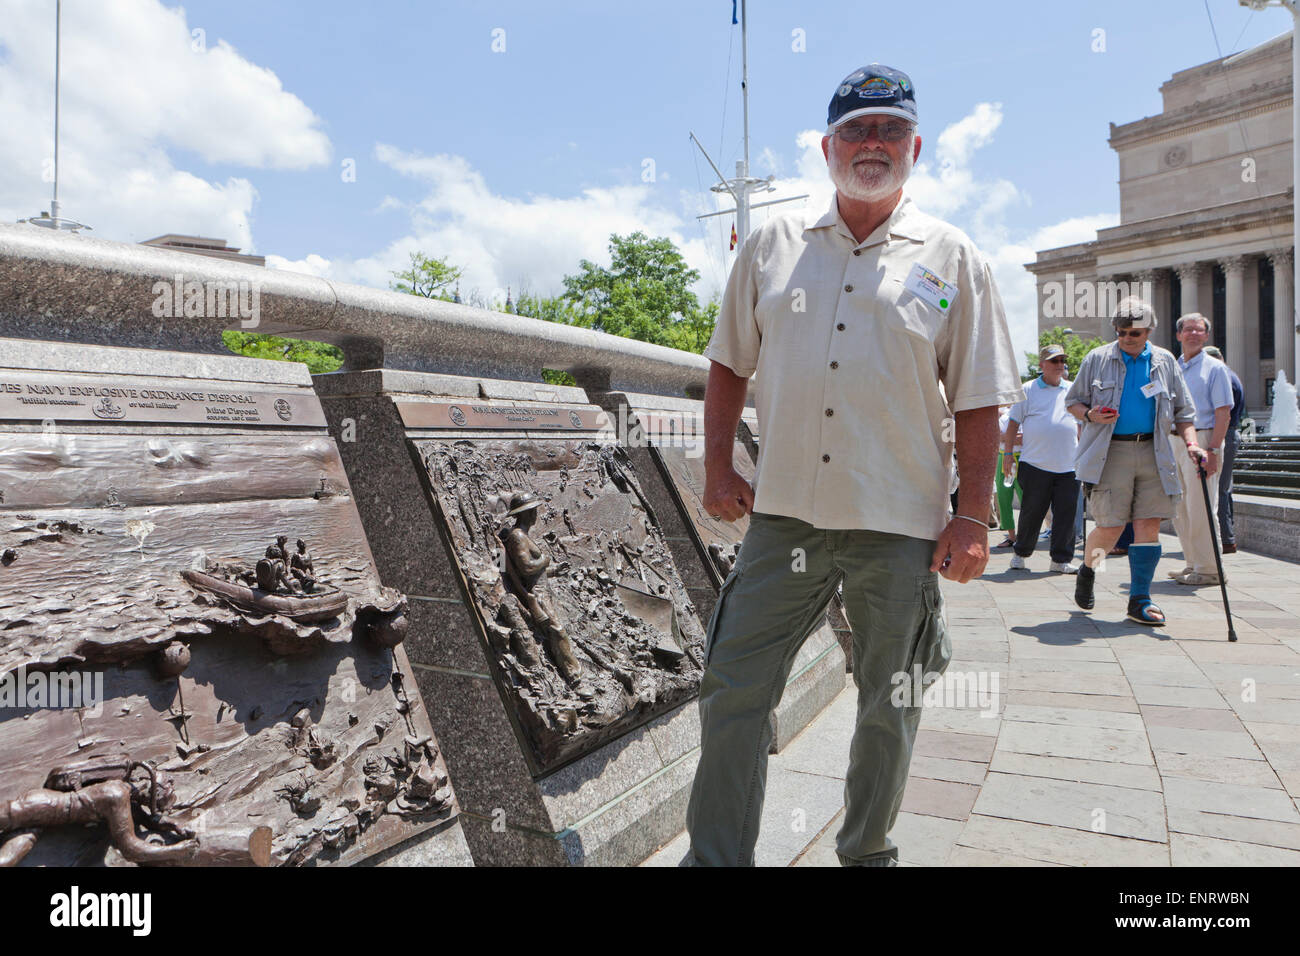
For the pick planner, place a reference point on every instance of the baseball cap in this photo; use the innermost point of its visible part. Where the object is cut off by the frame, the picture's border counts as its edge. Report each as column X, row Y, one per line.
column 1049, row 352
column 873, row 89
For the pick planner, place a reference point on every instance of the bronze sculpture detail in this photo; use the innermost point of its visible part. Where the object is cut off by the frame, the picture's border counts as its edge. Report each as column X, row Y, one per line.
column 588, row 626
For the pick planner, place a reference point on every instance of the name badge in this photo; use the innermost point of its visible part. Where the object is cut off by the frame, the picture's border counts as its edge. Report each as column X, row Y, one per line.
column 925, row 285
column 1152, row 389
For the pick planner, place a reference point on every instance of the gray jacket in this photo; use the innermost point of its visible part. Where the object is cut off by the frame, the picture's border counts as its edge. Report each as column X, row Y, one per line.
column 1101, row 382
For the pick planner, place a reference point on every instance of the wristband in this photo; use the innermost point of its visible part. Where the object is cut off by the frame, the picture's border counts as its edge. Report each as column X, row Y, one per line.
column 982, row 524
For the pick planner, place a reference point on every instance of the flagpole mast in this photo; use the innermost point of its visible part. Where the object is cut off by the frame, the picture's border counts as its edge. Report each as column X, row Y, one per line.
column 743, row 184
column 53, row 219
column 742, row 167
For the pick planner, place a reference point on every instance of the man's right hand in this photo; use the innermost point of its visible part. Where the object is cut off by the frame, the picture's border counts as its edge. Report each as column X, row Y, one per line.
column 1007, row 461
column 727, row 495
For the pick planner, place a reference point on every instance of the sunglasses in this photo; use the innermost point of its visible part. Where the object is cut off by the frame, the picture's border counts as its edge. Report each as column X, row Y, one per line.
column 891, row 132
column 1059, row 360
column 1131, row 333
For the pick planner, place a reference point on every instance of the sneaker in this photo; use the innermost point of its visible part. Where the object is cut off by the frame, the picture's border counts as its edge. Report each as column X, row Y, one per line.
column 1017, row 563
column 1194, row 579
column 1178, row 574
column 1067, row 568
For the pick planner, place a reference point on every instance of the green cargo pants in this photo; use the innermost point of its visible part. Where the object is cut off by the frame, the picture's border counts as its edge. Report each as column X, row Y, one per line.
column 784, row 576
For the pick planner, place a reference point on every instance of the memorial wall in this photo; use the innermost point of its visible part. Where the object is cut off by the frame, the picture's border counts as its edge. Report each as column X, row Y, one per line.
column 423, row 609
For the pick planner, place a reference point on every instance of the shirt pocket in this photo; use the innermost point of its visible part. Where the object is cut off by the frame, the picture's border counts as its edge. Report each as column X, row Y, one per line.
column 904, row 311
column 1105, row 392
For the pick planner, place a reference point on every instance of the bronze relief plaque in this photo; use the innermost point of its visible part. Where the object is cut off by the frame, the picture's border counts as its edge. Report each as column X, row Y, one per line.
column 197, row 658
column 584, row 617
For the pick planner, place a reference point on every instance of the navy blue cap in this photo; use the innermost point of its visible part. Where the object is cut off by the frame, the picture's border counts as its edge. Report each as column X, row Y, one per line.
column 873, row 89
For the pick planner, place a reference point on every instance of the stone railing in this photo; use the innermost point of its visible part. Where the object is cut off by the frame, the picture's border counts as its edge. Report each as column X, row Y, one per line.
column 65, row 287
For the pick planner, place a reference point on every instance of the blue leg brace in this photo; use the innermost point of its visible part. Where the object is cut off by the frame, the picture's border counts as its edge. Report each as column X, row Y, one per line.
column 1142, row 561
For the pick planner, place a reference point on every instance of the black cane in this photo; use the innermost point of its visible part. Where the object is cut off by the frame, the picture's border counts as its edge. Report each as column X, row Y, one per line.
column 1218, row 560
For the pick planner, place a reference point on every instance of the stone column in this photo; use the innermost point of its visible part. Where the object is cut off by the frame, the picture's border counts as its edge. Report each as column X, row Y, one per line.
column 1283, row 311
column 1151, row 289
column 1189, row 277
column 1234, row 268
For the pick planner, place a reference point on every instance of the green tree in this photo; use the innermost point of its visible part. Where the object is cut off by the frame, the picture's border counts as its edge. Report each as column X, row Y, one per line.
column 427, row 276
column 317, row 356
column 1075, row 349
column 645, row 294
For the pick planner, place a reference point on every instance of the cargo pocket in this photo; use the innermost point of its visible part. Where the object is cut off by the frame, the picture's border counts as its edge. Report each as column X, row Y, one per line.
column 1099, row 506
column 723, row 592
column 932, row 651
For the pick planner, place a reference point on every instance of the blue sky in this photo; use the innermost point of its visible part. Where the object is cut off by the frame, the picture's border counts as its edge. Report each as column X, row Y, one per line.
column 517, row 163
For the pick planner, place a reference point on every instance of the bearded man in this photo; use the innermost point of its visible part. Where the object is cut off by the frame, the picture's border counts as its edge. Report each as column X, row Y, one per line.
column 880, row 344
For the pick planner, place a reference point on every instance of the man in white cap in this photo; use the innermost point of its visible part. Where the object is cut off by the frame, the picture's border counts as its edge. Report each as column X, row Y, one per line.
column 878, row 337
column 1130, row 394
column 1046, row 462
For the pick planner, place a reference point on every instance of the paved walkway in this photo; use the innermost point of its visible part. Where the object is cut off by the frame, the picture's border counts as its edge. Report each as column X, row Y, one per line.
column 1110, row 744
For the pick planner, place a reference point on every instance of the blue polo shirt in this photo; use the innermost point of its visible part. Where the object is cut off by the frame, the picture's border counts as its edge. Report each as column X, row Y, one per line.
column 1137, row 413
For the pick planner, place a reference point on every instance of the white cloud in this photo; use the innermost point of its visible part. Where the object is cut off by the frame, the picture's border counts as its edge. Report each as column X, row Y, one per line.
column 950, row 187
column 501, row 240
column 137, row 86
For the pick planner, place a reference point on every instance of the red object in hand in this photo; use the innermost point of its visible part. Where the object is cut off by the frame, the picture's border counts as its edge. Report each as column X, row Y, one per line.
column 1106, row 408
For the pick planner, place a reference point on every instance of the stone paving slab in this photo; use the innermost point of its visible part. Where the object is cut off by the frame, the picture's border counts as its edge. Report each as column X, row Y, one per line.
column 1085, row 743
column 1237, row 828
column 1119, row 811
column 1095, row 715
column 1187, row 850
column 1136, row 776
column 1062, row 845
column 1254, row 773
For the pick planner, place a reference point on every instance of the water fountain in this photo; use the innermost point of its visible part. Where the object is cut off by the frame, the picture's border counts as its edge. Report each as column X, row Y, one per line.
column 1285, row 419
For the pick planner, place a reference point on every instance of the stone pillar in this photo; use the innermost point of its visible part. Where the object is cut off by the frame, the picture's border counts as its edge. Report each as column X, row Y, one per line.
column 1283, row 311
column 1189, row 278
column 1252, row 379
column 1234, row 268
column 1154, row 290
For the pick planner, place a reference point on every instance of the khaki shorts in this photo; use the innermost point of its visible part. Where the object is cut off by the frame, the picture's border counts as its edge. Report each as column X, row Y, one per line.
column 1130, row 486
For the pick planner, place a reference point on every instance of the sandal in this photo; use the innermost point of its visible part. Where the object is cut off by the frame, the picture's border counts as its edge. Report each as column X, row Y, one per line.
column 1141, row 609
column 1007, row 542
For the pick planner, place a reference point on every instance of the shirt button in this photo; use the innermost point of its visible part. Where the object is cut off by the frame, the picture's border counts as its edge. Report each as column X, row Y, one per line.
column 826, row 457
column 830, row 412
column 848, row 288
column 857, row 252
column 835, row 364
column 840, row 326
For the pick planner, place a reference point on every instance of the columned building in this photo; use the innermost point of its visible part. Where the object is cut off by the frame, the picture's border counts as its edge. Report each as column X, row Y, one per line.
column 1206, row 219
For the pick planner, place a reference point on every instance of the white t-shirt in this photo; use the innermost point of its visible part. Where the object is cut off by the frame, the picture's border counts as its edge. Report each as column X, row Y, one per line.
column 1051, row 434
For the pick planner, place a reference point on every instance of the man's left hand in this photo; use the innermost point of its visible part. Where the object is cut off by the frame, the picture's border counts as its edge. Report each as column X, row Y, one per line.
column 1203, row 460
column 962, row 551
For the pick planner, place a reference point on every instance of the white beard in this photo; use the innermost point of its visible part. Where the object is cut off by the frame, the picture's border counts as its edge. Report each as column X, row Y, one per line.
column 870, row 182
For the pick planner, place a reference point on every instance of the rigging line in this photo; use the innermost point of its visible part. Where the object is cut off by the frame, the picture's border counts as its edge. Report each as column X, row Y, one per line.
column 1241, row 123
column 704, row 232
column 731, row 46
column 1236, row 48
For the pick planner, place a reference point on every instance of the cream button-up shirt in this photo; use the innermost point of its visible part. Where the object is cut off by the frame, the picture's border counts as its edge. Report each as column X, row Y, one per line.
column 861, row 364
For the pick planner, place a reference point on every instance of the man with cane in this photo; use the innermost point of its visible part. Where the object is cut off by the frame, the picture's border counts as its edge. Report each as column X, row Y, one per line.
column 1130, row 395
column 1211, row 393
